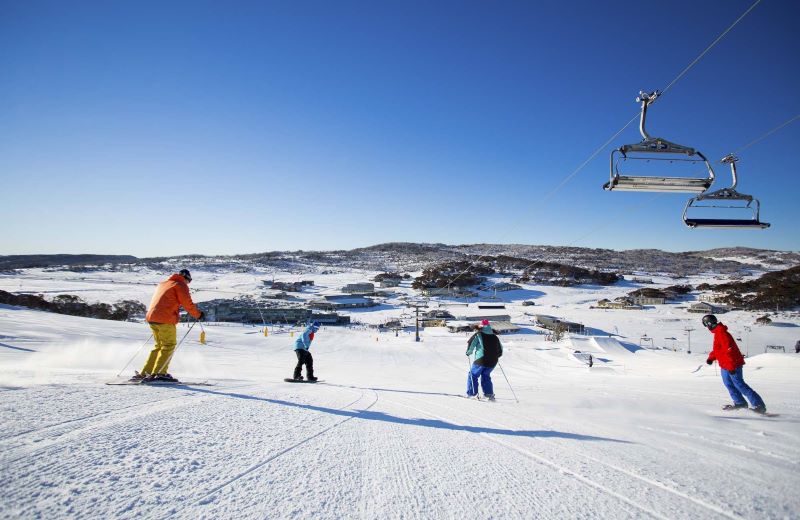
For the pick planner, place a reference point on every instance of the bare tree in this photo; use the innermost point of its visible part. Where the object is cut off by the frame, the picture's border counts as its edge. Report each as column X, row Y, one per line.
column 558, row 332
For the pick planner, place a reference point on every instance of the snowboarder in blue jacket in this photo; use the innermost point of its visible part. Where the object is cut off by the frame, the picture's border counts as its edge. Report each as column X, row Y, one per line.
column 488, row 349
column 301, row 346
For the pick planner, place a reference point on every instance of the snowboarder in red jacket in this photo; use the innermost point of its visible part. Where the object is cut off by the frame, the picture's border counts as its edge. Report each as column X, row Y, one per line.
column 730, row 359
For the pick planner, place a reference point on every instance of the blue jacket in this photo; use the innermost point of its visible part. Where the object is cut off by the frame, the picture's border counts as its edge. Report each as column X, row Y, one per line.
column 482, row 356
column 304, row 341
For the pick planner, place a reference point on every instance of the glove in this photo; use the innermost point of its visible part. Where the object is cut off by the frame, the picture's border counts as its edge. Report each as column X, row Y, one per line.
column 202, row 316
column 709, row 362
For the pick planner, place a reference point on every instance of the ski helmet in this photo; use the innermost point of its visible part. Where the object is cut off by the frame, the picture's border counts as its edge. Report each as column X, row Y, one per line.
column 710, row 321
column 186, row 274
column 315, row 324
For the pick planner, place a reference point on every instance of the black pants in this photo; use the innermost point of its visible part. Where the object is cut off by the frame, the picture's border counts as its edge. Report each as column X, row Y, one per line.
column 304, row 358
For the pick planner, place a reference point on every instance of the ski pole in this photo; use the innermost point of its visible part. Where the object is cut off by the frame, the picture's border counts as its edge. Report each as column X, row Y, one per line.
column 507, row 381
column 166, row 364
column 134, row 356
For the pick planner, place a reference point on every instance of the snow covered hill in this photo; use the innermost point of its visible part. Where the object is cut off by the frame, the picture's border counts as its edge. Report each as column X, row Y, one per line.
column 386, row 433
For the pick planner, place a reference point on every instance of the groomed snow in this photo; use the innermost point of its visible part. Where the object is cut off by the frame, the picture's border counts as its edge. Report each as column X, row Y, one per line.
column 386, row 435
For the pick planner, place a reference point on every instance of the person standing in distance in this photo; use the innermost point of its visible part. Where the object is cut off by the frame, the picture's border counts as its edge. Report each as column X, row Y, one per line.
column 727, row 354
column 163, row 315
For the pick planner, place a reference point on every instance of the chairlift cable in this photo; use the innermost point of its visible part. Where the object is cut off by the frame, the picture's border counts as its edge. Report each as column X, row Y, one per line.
column 698, row 58
column 779, row 127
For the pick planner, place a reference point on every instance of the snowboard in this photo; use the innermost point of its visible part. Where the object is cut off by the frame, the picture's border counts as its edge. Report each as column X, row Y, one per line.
column 290, row 380
column 766, row 414
column 160, row 383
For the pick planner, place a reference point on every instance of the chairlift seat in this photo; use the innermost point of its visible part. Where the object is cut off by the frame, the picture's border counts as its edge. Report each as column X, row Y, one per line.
column 725, row 223
column 657, row 184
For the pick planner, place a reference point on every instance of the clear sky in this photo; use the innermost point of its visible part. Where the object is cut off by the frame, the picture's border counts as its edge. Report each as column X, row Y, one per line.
column 167, row 127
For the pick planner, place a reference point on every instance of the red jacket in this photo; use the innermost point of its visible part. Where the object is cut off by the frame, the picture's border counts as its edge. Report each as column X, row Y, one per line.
column 725, row 351
column 167, row 301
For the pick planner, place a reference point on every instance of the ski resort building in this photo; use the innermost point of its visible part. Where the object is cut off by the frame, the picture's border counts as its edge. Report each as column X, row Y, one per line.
column 477, row 318
column 390, row 282
column 331, row 319
column 359, row 288
column 707, row 308
column 504, row 327
column 551, row 322
column 714, row 297
column 342, row 301
column 499, row 327
column 456, row 292
column 649, row 300
column 620, row 303
column 251, row 312
column 432, row 322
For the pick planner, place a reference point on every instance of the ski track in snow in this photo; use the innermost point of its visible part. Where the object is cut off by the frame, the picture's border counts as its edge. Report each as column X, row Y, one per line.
column 580, row 473
column 205, row 498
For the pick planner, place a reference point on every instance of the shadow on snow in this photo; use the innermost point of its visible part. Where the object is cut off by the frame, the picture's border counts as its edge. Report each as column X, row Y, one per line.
column 6, row 345
column 425, row 423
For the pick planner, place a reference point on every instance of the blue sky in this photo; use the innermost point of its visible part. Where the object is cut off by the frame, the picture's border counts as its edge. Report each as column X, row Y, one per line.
column 161, row 128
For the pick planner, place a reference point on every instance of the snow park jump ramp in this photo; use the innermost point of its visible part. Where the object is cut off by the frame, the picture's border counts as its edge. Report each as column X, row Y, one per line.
column 608, row 353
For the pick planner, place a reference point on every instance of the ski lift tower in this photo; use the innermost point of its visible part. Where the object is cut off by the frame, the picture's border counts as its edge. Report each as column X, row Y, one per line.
column 688, row 331
column 417, row 306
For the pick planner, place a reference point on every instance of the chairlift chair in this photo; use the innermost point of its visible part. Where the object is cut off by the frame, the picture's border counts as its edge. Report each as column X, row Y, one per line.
column 656, row 149
column 726, row 198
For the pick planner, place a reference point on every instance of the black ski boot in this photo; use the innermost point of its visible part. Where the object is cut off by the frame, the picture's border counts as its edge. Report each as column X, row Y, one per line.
column 312, row 379
column 729, row 407
column 138, row 377
column 161, row 378
column 760, row 410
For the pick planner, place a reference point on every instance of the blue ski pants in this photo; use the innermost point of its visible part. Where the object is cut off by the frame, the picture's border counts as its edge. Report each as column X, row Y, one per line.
column 484, row 373
column 734, row 382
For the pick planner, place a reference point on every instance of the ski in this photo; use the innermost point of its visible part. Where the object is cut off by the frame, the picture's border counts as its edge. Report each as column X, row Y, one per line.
column 160, row 383
column 290, row 380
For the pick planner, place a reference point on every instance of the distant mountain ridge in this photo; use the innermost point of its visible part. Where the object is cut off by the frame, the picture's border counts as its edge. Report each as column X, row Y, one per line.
column 409, row 256
column 28, row 261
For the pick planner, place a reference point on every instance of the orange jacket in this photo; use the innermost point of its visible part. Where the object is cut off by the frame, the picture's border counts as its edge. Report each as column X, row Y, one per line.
column 170, row 295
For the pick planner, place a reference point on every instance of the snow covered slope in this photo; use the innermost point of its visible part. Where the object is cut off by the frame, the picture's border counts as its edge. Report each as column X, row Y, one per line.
column 386, row 435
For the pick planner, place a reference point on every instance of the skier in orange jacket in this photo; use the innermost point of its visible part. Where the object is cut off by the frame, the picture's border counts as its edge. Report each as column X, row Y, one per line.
column 162, row 316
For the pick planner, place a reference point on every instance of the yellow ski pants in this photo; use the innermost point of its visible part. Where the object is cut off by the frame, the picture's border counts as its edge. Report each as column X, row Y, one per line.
column 165, row 335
